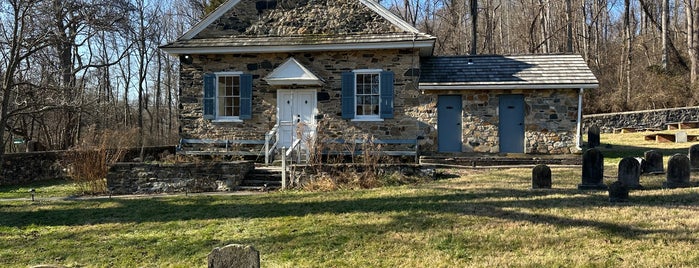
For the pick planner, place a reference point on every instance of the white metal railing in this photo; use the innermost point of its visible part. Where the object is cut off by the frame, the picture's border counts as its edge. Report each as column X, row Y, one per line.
column 287, row 154
column 270, row 137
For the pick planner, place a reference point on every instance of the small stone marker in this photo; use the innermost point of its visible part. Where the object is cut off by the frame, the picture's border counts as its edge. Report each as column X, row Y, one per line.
column 678, row 172
column 593, row 136
column 630, row 173
column 694, row 157
column 618, row 192
column 234, row 255
column 541, row 177
column 654, row 162
column 592, row 171
column 681, row 137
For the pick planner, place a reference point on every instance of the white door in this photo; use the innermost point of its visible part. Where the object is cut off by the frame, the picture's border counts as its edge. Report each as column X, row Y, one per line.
column 295, row 115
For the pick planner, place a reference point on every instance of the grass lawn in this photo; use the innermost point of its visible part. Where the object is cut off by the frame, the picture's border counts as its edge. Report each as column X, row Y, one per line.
column 467, row 218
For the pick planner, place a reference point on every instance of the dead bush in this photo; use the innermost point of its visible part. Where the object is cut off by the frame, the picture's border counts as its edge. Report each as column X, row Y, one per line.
column 89, row 162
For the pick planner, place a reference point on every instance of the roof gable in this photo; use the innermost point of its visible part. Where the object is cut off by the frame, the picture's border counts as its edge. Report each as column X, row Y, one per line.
column 292, row 73
column 298, row 17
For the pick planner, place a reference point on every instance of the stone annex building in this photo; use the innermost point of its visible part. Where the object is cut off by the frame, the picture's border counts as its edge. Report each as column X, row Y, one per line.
column 286, row 70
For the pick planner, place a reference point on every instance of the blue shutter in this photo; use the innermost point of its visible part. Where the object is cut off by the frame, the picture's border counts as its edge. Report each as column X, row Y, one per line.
column 386, row 94
column 348, row 95
column 209, row 103
column 245, row 96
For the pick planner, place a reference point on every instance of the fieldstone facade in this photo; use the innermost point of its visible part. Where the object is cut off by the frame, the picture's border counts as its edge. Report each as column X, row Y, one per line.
column 297, row 17
column 329, row 66
column 550, row 120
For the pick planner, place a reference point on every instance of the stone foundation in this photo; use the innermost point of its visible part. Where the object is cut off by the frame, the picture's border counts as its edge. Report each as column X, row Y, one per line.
column 143, row 178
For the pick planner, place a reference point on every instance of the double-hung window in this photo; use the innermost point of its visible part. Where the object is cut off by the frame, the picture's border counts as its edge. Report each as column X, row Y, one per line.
column 367, row 95
column 227, row 96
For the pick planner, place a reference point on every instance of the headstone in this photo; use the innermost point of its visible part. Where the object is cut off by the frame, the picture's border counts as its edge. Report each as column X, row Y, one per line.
column 541, row 177
column 630, row 173
column 654, row 162
column 694, row 157
column 678, row 172
column 642, row 164
column 618, row 192
column 593, row 136
column 592, row 171
column 681, row 137
column 234, row 256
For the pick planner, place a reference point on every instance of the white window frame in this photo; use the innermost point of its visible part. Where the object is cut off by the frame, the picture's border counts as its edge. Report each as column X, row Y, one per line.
column 219, row 117
column 377, row 116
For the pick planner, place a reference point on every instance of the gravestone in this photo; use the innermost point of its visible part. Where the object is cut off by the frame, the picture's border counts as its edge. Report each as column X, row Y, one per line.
column 642, row 164
column 654, row 162
column 593, row 136
column 592, row 171
column 694, row 157
column 234, row 256
column 681, row 137
column 630, row 173
column 618, row 192
column 541, row 177
column 678, row 172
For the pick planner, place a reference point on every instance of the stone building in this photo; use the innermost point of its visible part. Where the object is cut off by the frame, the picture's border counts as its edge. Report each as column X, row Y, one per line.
column 336, row 70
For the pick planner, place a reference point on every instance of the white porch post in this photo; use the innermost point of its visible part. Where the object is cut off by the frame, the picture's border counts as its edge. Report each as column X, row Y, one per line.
column 578, row 135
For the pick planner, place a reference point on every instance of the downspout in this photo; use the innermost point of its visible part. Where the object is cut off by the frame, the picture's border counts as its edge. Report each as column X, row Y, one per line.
column 578, row 135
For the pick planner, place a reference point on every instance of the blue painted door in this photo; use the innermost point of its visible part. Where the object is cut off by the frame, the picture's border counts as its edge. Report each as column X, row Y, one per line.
column 511, row 125
column 449, row 123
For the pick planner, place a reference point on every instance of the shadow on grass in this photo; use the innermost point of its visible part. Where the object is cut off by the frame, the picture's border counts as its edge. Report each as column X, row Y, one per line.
column 494, row 203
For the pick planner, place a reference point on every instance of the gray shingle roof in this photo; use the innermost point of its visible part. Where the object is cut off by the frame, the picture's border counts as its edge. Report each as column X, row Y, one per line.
column 496, row 71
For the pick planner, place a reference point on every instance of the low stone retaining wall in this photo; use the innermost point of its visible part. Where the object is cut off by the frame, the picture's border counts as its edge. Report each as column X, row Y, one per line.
column 647, row 119
column 23, row 168
column 142, row 178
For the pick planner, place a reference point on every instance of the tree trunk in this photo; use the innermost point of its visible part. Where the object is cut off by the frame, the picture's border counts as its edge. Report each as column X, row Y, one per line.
column 664, row 32
column 474, row 26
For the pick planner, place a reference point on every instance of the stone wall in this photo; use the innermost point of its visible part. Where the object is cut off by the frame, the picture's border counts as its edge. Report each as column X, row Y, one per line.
column 142, row 178
column 328, row 66
column 647, row 119
column 23, row 168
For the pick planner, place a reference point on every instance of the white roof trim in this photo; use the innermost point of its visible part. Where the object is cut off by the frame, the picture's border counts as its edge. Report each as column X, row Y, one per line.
column 388, row 15
column 213, row 16
column 446, row 86
column 225, row 7
column 292, row 72
column 428, row 44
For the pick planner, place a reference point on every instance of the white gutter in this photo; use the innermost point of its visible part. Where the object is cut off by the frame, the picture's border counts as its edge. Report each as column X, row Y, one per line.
column 578, row 135
column 446, row 86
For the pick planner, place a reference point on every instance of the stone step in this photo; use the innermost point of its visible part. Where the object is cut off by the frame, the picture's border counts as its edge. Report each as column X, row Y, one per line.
column 261, row 182
column 257, row 188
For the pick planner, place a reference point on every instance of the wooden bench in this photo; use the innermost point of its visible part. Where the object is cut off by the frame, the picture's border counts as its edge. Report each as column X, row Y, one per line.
column 681, row 125
column 664, row 137
column 357, row 143
column 219, row 147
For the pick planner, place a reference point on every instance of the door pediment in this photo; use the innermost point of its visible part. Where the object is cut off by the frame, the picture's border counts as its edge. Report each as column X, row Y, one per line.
column 292, row 73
